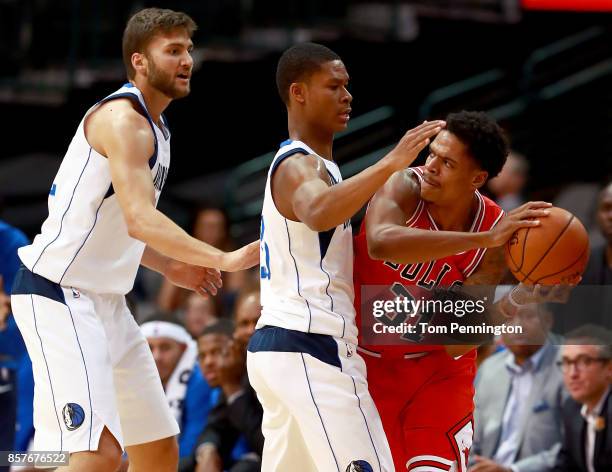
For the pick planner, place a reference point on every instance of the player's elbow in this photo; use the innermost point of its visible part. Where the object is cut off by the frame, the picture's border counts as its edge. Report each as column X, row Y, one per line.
column 315, row 219
column 135, row 229
column 378, row 246
column 136, row 225
column 319, row 225
column 375, row 249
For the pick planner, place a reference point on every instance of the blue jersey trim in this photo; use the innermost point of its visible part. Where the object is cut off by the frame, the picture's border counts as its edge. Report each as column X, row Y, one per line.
column 84, row 241
column 29, row 283
column 319, row 413
column 366, row 422
column 276, row 339
column 284, row 156
column 48, row 374
column 110, row 192
column 65, row 211
column 86, row 376
column 297, row 274
column 286, row 142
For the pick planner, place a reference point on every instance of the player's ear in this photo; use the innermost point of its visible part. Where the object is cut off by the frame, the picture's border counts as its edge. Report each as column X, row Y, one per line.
column 139, row 62
column 297, row 91
column 480, row 178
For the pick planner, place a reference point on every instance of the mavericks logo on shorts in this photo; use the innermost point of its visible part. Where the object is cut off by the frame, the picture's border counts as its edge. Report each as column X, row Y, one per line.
column 73, row 416
column 359, row 466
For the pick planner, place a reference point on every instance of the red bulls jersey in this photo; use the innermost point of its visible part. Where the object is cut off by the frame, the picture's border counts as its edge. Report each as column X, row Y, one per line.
column 422, row 277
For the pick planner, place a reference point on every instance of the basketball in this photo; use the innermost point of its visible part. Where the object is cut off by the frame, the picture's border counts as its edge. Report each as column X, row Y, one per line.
column 556, row 252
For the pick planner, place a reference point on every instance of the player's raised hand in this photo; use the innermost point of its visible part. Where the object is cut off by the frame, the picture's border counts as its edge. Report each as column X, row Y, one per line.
column 203, row 280
column 525, row 216
column 413, row 142
column 243, row 258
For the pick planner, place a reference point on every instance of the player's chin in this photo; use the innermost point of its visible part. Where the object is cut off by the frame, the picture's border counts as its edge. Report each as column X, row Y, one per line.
column 429, row 195
column 181, row 92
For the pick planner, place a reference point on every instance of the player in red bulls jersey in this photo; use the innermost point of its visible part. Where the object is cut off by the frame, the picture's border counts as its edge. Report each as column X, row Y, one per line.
column 430, row 227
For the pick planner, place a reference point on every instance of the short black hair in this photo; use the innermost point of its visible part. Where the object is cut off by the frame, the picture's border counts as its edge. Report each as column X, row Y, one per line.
column 299, row 62
column 222, row 327
column 484, row 138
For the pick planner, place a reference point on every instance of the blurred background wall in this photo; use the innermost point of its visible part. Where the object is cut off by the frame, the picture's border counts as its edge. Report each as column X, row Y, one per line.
column 543, row 68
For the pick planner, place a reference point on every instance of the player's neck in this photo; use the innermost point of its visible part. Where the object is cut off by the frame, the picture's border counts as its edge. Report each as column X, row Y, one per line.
column 319, row 140
column 155, row 100
column 457, row 216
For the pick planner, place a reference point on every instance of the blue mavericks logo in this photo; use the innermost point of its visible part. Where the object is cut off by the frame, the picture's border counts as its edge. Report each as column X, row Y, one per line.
column 359, row 466
column 73, row 416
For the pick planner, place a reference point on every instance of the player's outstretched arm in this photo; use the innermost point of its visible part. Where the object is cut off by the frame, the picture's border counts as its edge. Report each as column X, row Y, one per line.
column 200, row 279
column 302, row 193
column 391, row 240
column 117, row 131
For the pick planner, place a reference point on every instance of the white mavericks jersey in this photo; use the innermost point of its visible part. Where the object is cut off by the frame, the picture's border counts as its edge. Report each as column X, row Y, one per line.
column 306, row 276
column 84, row 242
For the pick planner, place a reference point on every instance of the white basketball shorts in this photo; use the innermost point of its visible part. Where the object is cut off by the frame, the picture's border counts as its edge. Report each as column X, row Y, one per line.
column 318, row 413
column 92, row 368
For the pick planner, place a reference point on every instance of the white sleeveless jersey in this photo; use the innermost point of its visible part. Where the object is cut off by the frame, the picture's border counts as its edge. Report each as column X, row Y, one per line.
column 84, row 242
column 306, row 276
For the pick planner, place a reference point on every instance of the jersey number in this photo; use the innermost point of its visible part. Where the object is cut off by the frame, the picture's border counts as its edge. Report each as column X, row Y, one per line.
column 264, row 265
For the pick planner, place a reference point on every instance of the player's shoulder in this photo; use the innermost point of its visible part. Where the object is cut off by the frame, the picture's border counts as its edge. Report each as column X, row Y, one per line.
column 404, row 188
column 120, row 114
column 295, row 157
column 118, row 121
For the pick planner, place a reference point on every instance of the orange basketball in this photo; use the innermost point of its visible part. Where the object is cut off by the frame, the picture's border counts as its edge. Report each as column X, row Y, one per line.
column 556, row 252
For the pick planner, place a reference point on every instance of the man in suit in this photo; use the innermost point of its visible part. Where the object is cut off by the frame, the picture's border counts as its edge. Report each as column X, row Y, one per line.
column 518, row 400
column 587, row 415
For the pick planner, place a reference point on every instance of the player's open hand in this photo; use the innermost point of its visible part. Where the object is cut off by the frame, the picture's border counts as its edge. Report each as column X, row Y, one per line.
column 524, row 294
column 412, row 143
column 525, row 216
column 203, row 280
column 243, row 258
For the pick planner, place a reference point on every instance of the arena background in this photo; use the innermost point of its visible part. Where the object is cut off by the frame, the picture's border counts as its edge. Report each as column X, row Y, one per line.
column 540, row 66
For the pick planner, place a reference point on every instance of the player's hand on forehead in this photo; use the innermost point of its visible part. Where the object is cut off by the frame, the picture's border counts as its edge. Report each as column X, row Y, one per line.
column 413, row 142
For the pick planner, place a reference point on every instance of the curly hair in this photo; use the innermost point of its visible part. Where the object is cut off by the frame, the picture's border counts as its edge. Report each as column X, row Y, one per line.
column 298, row 63
column 484, row 138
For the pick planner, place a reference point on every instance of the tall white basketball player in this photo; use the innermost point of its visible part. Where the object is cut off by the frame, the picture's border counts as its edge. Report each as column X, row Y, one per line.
column 302, row 360
column 97, row 387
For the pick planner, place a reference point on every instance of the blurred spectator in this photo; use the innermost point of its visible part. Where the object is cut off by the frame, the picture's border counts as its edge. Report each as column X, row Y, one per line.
column 587, row 415
column 518, row 400
column 599, row 268
column 593, row 298
column 200, row 312
column 246, row 314
column 238, row 412
column 508, row 186
column 188, row 394
column 210, row 225
column 16, row 380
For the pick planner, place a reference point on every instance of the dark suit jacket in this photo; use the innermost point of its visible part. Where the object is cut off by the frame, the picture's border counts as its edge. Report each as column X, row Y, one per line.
column 571, row 457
